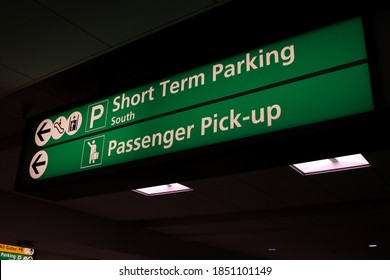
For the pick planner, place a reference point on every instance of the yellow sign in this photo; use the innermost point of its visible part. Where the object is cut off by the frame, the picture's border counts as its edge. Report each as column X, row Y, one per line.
column 16, row 249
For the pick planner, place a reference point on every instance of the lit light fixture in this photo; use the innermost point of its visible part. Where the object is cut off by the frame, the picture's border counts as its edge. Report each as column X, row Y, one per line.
column 163, row 189
column 372, row 245
column 331, row 165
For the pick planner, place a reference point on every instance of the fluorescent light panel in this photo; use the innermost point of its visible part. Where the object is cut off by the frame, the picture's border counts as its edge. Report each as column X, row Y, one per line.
column 163, row 189
column 331, row 165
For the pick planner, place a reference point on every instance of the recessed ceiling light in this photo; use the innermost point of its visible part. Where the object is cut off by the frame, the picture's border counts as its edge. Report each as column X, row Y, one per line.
column 163, row 189
column 331, row 165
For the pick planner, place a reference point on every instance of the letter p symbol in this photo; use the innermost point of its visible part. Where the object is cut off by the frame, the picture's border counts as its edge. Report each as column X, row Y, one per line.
column 97, row 115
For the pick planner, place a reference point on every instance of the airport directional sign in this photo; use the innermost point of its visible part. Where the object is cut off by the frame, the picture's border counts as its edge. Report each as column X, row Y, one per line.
column 318, row 76
column 15, row 257
column 15, row 252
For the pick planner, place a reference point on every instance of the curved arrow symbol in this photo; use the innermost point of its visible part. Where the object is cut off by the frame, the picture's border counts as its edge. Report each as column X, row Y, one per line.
column 42, row 131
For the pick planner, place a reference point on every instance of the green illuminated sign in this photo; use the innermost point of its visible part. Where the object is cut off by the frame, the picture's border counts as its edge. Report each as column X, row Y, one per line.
column 314, row 77
column 16, row 257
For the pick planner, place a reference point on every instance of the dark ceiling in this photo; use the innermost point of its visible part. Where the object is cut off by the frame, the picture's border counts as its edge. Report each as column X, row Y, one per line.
column 245, row 199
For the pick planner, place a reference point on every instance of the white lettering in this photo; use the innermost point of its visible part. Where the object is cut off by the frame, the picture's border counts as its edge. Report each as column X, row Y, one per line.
column 271, row 116
column 182, row 85
column 165, row 139
column 94, row 117
column 254, row 62
column 233, row 120
column 124, row 101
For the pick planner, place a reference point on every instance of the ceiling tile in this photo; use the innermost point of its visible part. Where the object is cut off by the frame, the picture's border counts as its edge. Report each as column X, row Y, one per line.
column 292, row 188
column 242, row 197
column 38, row 42
column 294, row 221
column 383, row 172
column 354, row 184
column 245, row 226
column 128, row 20
column 340, row 218
column 213, row 182
column 178, row 230
column 378, row 157
column 11, row 80
column 296, row 243
column 251, row 243
column 199, row 203
column 380, row 163
column 133, row 207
